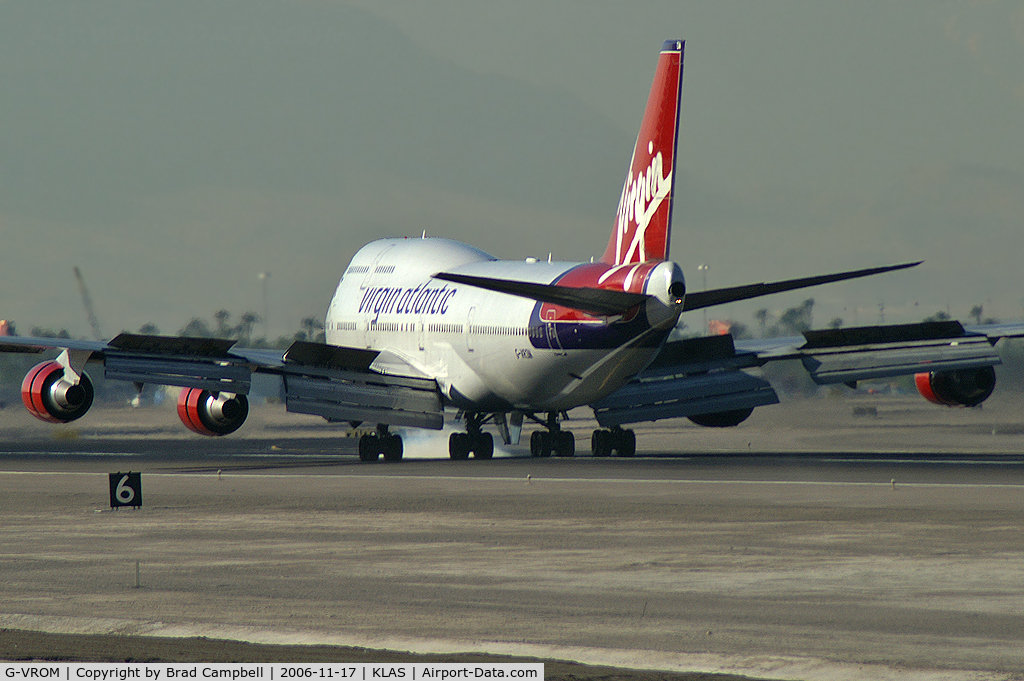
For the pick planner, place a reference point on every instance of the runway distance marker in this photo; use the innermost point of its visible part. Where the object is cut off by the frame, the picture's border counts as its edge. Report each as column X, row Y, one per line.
column 125, row 489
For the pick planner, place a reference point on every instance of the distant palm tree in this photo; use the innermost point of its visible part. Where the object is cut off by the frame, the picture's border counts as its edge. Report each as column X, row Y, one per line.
column 762, row 319
column 976, row 313
column 245, row 324
column 222, row 317
column 798, row 319
column 310, row 327
column 196, row 328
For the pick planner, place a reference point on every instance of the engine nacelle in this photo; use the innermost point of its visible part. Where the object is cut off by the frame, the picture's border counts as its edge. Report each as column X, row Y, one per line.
column 957, row 388
column 210, row 413
column 722, row 419
column 51, row 398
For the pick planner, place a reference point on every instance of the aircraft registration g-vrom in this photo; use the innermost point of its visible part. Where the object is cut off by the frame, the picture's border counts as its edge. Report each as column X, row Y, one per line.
column 418, row 324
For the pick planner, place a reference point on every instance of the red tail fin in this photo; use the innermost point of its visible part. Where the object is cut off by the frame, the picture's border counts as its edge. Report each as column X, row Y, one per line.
column 645, row 210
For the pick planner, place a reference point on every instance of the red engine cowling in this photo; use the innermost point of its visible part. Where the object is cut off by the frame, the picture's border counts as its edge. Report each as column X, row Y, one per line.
column 957, row 388
column 210, row 413
column 49, row 397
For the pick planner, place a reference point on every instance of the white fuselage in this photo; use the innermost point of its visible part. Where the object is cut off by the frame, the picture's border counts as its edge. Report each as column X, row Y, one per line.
column 488, row 351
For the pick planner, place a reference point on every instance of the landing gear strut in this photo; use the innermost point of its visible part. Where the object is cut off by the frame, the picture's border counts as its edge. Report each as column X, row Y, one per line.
column 474, row 440
column 381, row 443
column 604, row 442
column 552, row 441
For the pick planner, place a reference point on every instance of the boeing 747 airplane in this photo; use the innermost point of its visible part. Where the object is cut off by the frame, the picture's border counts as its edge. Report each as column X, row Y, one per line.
column 420, row 324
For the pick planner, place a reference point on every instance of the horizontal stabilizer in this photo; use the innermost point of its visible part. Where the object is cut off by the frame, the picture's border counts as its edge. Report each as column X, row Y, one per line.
column 700, row 299
column 592, row 301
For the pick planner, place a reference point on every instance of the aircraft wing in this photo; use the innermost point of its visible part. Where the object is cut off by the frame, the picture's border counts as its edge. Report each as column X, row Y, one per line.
column 335, row 382
column 708, row 375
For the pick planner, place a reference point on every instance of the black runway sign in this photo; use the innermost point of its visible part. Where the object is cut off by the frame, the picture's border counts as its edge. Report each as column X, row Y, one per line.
column 125, row 489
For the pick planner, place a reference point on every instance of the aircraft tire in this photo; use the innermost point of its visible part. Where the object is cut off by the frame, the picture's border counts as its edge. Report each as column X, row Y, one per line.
column 565, row 443
column 483, row 448
column 393, row 448
column 368, row 449
column 458, row 446
column 540, row 444
column 601, row 443
column 625, row 443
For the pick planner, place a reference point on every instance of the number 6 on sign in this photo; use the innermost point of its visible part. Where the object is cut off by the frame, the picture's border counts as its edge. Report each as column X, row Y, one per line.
column 125, row 489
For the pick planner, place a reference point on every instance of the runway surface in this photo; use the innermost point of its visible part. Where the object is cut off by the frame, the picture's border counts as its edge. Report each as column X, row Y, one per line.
column 807, row 543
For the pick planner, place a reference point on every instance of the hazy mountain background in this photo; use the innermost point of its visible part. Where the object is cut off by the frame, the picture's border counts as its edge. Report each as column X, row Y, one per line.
column 173, row 151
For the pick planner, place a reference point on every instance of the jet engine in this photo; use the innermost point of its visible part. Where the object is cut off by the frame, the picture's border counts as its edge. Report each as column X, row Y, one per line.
column 957, row 388
column 212, row 413
column 50, row 397
column 722, row 419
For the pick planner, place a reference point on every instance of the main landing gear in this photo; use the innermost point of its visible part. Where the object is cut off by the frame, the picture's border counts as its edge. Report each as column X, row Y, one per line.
column 474, row 441
column 552, row 441
column 604, row 442
column 381, row 443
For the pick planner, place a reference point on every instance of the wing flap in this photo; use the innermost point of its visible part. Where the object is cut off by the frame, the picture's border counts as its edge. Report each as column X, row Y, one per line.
column 848, row 355
column 203, row 363
column 355, row 398
column 850, row 367
column 705, row 393
column 852, row 364
column 688, row 378
column 315, row 383
column 212, row 375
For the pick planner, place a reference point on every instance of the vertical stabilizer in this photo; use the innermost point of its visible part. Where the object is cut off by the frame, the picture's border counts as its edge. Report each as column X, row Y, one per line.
column 644, row 217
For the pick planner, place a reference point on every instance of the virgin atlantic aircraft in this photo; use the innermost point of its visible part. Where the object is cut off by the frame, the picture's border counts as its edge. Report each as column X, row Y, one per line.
column 420, row 324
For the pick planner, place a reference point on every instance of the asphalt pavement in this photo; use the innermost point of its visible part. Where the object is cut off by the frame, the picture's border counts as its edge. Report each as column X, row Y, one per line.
column 807, row 543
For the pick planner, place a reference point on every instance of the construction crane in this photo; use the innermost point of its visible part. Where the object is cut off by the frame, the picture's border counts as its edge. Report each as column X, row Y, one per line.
column 87, row 301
